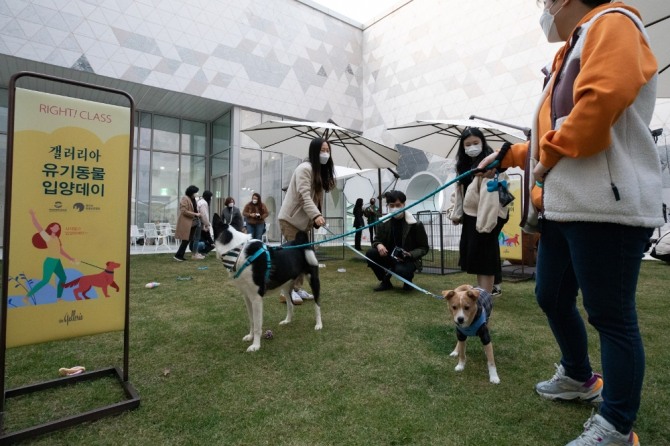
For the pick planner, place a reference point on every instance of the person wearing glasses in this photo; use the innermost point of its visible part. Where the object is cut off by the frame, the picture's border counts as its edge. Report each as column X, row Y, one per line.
column 399, row 244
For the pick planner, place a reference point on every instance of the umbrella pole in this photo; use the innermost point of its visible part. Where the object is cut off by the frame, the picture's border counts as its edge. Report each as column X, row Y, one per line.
column 379, row 182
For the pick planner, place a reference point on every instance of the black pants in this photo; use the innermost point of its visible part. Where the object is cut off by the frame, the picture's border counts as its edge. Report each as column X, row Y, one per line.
column 372, row 232
column 357, row 238
column 184, row 243
column 403, row 269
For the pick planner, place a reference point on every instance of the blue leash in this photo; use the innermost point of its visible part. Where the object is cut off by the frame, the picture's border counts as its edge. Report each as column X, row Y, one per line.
column 388, row 216
column 388, row 271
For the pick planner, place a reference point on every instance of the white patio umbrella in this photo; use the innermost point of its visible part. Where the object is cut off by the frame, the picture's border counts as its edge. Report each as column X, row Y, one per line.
column 342, row 172
column 656, row 18
column 348, row 149
column 442, row 137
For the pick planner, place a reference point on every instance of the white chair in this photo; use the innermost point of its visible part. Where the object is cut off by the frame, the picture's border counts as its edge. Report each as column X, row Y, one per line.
column 165, row 229
column 151, row 233
column 135, row 233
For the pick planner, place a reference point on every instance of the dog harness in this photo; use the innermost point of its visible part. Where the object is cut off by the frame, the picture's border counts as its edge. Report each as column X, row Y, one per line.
column 485, row 304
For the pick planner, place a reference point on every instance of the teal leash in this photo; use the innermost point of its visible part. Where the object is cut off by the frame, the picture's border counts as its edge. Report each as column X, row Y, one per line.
column 388, row 216
column 388, row 271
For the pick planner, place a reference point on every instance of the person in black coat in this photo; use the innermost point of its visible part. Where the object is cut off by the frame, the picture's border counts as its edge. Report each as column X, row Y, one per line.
column 399, row 245
column 358, row 222
column 232, row 216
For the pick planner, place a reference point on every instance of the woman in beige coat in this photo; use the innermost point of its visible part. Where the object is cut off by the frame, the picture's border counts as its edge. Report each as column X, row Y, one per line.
column 301, row 208
column 187, row 221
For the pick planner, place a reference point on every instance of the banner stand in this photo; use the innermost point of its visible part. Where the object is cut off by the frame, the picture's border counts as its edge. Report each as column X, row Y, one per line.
column 515, row 249
column 132, row 400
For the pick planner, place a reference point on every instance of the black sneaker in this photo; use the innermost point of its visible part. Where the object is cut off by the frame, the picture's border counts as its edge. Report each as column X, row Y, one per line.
column 497, row 291
column 179, row 259
column 407, row 287
column 383, row 286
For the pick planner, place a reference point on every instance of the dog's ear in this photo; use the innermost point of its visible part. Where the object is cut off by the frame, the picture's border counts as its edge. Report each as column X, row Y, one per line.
column 473, row 294
column 448, row 294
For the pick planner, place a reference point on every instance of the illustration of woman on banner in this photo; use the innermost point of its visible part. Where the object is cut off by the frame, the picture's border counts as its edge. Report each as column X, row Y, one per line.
column 49, row 239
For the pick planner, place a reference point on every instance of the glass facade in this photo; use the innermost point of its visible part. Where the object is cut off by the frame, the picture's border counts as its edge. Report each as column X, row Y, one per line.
column 171, row 154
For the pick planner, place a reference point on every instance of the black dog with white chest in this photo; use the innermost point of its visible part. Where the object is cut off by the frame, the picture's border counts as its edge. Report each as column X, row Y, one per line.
column 258, row 268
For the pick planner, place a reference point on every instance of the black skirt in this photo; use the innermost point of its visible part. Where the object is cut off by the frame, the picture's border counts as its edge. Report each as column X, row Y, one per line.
column 479, row 252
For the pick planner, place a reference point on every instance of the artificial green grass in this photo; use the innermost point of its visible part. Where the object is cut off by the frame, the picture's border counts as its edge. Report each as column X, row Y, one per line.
column 379, row 373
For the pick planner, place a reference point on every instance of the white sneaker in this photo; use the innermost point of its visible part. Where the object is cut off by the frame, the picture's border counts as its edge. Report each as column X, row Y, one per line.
column 600, row 432
column 562, row 387
column 304, row 295
column 295, row 298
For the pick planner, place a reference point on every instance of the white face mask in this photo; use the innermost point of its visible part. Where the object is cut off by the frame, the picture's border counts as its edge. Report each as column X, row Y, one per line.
column 254, row 201
column 399, row 216
column 324, row 157
column 230, row 205
column 549, row 26
column 473, row 150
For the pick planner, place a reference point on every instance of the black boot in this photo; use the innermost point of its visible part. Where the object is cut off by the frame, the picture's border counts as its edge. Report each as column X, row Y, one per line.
column 383, row 285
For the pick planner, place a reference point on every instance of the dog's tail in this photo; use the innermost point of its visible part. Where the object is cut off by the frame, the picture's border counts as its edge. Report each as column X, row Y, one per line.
column 302, row 239
column 71, row 283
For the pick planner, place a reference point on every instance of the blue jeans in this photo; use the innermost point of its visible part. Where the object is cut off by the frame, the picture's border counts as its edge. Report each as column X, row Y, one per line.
column 603, row 261
column 256, row 231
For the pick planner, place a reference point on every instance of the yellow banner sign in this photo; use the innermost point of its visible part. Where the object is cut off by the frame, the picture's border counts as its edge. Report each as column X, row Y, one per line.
column 69, row 211
column 510, row 236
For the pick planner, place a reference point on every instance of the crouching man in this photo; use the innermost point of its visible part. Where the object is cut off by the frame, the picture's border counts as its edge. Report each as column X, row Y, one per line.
column 398, row 246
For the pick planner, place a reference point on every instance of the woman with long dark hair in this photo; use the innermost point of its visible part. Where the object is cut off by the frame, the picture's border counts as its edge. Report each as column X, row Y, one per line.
column 479, row 211
column 301, row 208
column 187, row 222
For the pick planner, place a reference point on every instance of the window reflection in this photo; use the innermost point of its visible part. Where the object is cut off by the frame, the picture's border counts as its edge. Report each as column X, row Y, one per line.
column 193, row 137
column 250, row 174
column 164, row 193
column 166, row 133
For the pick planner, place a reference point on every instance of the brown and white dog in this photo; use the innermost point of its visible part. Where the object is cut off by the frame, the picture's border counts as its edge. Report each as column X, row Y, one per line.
column 471, row 308
column 102, row 280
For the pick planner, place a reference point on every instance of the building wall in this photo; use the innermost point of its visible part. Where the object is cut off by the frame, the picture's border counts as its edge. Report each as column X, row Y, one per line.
column 430, row 59
column 280, row 56
column 441, row 59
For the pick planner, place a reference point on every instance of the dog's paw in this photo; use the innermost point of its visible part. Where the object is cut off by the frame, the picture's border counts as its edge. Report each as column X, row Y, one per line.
column 253, row 348
column 248, row 338
column 454, row 353
column 284, row 322
column 318, row 326
column 459, row 367
column 494, row 379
